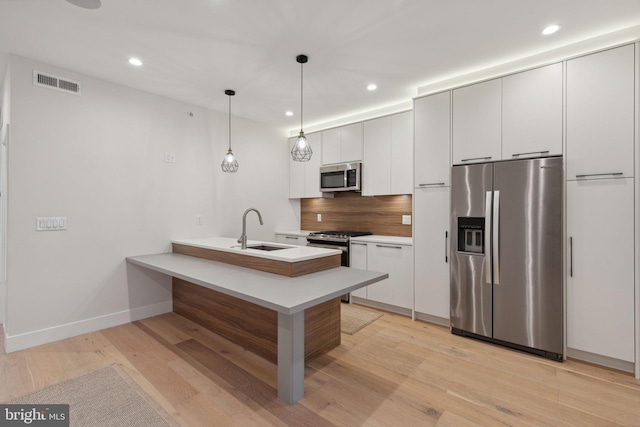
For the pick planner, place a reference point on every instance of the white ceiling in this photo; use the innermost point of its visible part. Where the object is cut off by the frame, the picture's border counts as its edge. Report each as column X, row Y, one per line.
column 195, row 49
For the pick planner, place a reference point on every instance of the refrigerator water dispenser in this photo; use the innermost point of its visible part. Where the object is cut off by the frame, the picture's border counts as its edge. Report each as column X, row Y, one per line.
column 471, row 235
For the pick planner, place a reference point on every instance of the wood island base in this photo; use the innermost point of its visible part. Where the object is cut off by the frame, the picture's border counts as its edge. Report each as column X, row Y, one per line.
column 252, row 326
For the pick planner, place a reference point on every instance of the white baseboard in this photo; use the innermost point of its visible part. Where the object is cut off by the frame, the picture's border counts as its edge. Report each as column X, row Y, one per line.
column 44, row 336
column 433, row 319
column 381, row 306
column 597, row 359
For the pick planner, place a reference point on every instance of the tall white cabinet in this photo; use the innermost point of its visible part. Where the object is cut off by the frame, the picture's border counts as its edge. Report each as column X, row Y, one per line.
column 431, row 206
column 600, row 282
column 600, row 144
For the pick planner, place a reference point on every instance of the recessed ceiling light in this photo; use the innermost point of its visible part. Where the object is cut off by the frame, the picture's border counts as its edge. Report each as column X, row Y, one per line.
column 372, row 87
column 289, row 113
column 550, row 29
column 135, row 61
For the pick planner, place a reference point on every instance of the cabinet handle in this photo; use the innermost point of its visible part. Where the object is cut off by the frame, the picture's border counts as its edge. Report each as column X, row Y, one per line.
column 446, row 243
column 356, row 243
column 532, row 152
column 389, row 246
column 430, row 183
column 476, row 158
column 599, row 174
column 291, row 237
column 570, row 256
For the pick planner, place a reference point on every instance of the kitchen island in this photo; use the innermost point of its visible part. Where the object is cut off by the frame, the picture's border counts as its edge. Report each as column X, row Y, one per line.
column 287, row 297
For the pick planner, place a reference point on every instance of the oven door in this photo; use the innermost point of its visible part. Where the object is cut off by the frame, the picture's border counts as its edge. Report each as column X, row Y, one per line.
column 344, row 259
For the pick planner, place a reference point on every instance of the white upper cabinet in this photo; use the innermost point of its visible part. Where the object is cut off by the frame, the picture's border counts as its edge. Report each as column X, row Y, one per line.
column 331, row 145
column 513, row 117
column 402, row 153
column 376, row 173
column 532, row 113
column 304, row 177
column 600, row 109
column 387, row 153
column 477, row 122
column 432, row 143
column 342, row 144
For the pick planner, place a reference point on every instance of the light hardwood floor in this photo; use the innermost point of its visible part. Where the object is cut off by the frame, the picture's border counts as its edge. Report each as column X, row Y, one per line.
column 394, row 372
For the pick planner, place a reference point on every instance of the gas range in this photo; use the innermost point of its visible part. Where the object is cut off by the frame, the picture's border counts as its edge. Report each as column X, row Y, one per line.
column 335, row 236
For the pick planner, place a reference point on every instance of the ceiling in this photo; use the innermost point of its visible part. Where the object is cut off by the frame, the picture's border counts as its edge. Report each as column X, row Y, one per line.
column 193, row 50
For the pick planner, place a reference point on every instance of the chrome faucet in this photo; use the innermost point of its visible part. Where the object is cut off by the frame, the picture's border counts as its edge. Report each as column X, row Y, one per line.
column 243, row 238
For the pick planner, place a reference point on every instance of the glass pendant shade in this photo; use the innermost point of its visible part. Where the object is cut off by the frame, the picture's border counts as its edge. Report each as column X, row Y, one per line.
column 301, row 151
column 229, row 164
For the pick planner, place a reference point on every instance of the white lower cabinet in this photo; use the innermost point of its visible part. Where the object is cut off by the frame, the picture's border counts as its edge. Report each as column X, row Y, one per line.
column 388, row 257
column 600, row 267
column 358, row 259
column 431, row 251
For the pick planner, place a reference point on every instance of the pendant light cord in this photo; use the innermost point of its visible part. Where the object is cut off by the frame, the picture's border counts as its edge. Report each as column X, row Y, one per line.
column 229, row 122
column 301, row 92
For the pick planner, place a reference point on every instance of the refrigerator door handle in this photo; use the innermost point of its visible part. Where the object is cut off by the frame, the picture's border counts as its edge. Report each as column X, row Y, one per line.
column 446, row 246
column 496, row 237
column 487, row 240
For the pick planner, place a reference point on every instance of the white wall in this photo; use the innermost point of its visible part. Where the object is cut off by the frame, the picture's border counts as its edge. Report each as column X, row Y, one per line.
column 262, row 181
column 98, row 159
column 4, row 137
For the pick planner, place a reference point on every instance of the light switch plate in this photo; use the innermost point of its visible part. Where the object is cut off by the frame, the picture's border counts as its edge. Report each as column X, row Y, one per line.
column 51, row 223
column 406, row 219
column 319, row 217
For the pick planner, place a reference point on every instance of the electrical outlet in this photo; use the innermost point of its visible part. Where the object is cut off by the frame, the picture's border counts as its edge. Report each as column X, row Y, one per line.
column 198, row 219
column 169, row 157
column 406, row 219
column 319, row 217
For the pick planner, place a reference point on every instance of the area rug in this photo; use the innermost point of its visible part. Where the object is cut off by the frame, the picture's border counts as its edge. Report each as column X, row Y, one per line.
column 353, row 319
column 106, row 397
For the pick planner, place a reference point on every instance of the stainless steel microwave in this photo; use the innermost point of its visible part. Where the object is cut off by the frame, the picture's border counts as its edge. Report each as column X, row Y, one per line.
column 341, row 177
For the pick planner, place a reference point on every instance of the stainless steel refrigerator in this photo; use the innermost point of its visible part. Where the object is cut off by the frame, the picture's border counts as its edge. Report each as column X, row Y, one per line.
column 506, row 254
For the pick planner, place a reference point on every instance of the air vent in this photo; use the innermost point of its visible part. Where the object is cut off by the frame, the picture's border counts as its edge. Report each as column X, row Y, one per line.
column 54, row 82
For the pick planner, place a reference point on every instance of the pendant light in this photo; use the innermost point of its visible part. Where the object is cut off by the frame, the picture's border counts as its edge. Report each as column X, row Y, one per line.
column 301, row 151
column 229, row 164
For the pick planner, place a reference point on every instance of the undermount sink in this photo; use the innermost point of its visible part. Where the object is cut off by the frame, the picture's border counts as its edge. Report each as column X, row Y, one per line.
column 263, row 247
column 266, row 247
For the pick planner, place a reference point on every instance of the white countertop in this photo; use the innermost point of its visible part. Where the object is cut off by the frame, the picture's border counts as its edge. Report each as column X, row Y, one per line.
column 391, row 240
column 286, row 295
column 292, row 253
